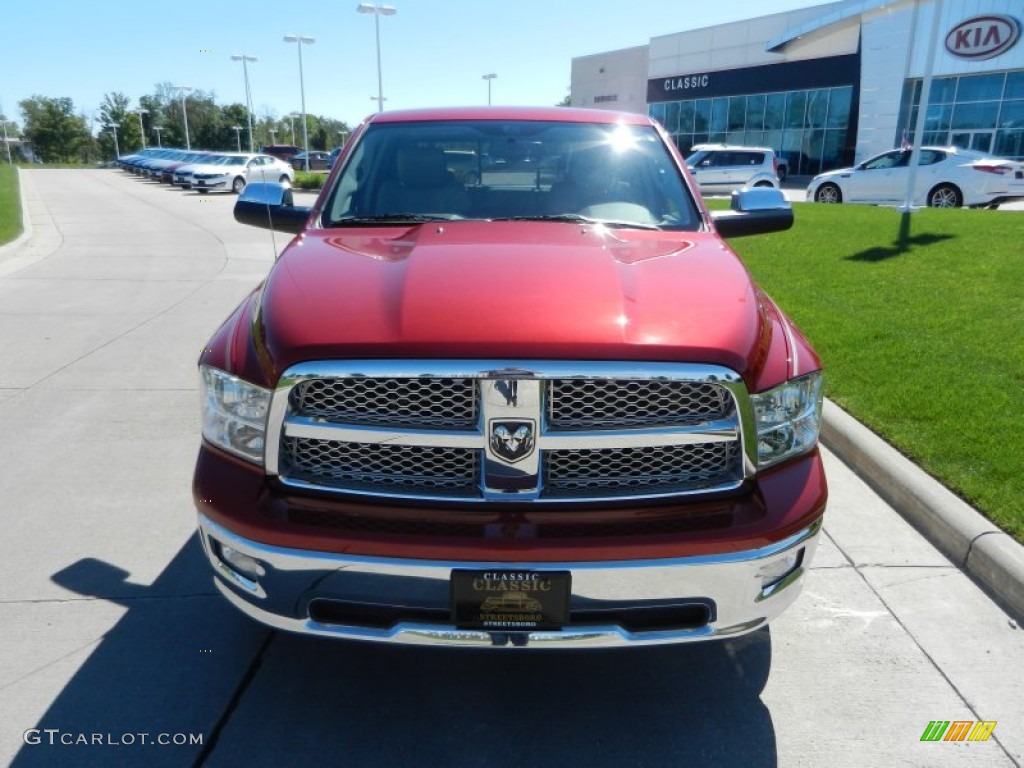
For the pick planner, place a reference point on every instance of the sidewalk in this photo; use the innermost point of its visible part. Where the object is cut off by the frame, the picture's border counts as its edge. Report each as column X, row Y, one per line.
column 991, row 557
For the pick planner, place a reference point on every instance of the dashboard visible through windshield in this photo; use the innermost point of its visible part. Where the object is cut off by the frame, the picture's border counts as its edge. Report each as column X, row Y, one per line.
column 619, row 175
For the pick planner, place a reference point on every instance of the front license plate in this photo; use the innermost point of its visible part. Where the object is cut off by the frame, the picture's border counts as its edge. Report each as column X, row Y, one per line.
column 509, row 600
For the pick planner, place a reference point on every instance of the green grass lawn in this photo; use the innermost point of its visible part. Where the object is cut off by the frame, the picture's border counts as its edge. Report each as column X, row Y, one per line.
column 10, row 204
column 924, row 345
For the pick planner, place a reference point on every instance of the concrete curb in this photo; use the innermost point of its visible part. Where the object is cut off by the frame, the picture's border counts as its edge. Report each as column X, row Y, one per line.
column 988, row 555
column 26, row 222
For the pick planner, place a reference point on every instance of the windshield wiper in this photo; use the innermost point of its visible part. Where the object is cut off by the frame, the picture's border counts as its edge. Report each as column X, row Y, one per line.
column 576, row 218
column 392, row 218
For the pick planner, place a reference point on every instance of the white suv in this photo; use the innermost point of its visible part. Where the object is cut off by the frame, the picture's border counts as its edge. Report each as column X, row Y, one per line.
column 721, row 168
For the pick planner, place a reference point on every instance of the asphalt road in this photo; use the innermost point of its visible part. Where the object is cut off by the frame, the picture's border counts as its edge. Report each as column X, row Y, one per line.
column 114, row 639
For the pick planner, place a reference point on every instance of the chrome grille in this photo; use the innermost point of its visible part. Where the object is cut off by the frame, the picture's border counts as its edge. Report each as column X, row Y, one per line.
column 640, row 471
column 417, row 403
column 382, row 468
column 621, row 404
column 493, row 431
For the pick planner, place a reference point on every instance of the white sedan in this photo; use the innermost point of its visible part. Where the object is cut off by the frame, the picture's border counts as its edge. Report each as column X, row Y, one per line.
column 240, row 169
column 947, row 177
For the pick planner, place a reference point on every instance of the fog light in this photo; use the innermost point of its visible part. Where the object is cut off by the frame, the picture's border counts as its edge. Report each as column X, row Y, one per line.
column 241, row 563
column 778, row 569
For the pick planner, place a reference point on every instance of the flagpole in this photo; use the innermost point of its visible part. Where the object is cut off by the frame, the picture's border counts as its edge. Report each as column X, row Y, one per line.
column 922, row 109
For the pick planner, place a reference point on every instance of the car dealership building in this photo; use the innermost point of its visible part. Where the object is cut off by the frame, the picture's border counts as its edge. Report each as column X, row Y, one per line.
column 828, row 85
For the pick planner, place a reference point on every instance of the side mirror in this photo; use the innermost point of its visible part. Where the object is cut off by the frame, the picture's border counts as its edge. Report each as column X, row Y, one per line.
column 754, row 211
column 271, row 206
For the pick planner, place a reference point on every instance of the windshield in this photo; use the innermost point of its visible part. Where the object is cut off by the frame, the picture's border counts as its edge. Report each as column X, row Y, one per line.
column 620, row 175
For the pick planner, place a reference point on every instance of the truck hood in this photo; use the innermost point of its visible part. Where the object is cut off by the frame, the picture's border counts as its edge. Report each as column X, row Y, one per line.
column 478, row 289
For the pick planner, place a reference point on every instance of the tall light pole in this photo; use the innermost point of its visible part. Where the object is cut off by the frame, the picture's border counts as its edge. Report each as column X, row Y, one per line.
column 273, row 135
column 378, row 11
column 3, row 122
column 488, row 78
column 113, row 127
column 244, row 58
column 238, row 136
column 156, row 130
column 299, row 40
column 291, row 122
column 185, row 90
column 142, row 132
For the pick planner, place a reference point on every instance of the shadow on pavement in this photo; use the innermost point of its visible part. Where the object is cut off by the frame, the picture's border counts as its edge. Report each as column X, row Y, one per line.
column 168, row 666
column 363, row 705
column 181, row 661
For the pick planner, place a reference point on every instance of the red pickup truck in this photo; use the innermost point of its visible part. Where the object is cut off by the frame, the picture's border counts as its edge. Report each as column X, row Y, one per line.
column 509, row 362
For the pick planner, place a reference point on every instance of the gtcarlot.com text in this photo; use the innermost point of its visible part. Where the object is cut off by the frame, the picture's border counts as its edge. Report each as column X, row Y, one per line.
column 57, row 737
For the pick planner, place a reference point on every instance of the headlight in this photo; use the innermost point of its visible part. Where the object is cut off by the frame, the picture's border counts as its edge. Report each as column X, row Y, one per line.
column 788, row 419
column 234, row 413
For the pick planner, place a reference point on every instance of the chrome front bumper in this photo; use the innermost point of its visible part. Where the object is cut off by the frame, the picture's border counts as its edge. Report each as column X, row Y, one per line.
column 743, row 591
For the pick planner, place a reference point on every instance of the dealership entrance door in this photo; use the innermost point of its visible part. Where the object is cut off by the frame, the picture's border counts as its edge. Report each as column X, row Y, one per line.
column 979, row 140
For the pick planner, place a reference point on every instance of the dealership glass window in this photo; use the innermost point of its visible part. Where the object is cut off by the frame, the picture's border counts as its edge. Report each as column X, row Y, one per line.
column 737, row 113
column 755, row 112
column 967, row 110
column 672, row 117
column 817, row 108
column 1012, row 115
column 980, row 88
column 981, row 114
column 1009, row 144
column 686, row 114
column 839, row 102
column 702, row 117
column 719, row 115
column 774, row 111
column 815, row 140
column 796, row 106
column 657, row 111
column 943, row 91
column 1014, row 85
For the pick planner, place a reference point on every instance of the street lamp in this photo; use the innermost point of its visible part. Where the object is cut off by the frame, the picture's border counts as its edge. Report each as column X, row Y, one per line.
column 238, row 136
column 185, row 90
column 114, row 127
column 377, row 11
column 156, row 130
column 299, row 40
column 273, row 135
column 3, row 122
column 488, row 78
column 244, row 58
column 142, row 133
column 291, row 122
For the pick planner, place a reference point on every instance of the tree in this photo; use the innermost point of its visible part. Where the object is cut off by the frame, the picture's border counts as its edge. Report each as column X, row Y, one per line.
column 55, row 132
column 114, row 110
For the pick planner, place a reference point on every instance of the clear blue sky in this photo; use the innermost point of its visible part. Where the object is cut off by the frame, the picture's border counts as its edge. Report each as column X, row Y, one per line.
column 434, row 52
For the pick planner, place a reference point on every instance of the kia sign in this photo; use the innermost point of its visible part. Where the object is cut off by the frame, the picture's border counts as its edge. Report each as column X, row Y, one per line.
column 982, row 37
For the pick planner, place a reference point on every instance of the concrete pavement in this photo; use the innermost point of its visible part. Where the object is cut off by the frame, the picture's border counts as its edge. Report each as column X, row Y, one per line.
column 112, row 625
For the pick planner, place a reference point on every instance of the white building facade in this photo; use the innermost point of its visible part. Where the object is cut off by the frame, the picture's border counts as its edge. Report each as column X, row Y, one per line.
column 829, row 85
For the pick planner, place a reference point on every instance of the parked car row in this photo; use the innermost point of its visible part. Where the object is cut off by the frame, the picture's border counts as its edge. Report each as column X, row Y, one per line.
column 208, row 171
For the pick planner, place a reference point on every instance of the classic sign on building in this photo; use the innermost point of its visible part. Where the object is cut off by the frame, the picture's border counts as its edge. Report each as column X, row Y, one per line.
column 983, row 37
